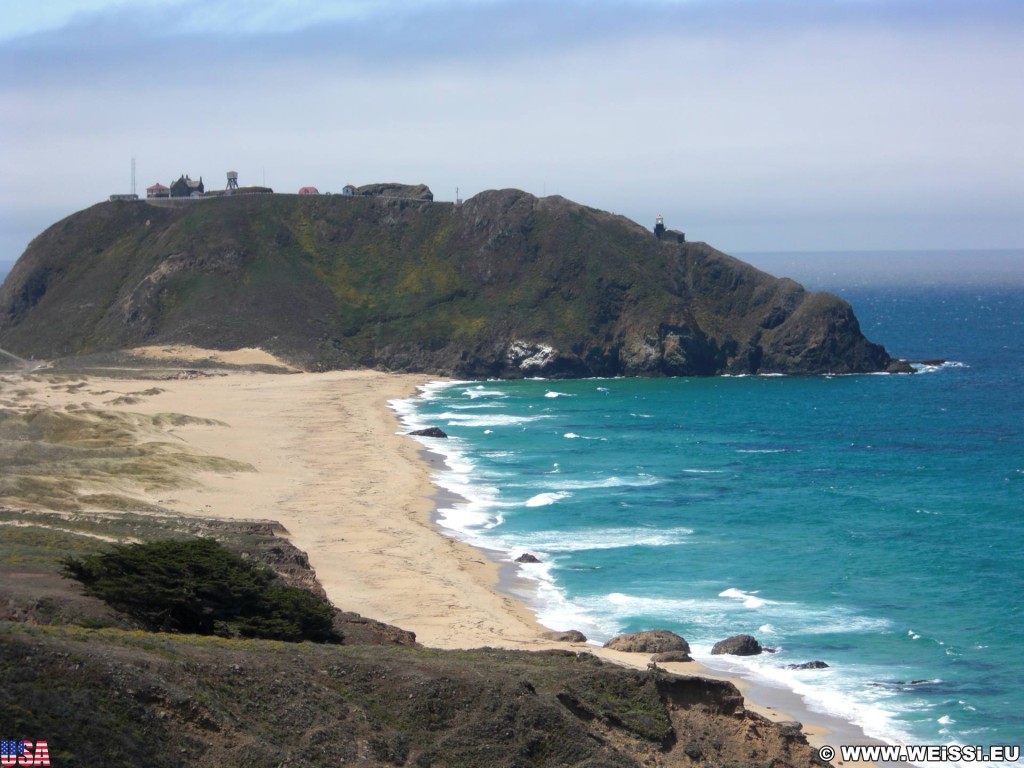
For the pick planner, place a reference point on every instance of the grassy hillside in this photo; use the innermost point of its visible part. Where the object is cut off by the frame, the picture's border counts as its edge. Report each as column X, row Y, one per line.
column 504, row 285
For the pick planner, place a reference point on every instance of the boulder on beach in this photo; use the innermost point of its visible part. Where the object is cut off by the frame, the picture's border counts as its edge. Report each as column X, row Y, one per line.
column 569, row 636
column 671, row 656
column 429, row 432
column 737, row 645
column 651, row 641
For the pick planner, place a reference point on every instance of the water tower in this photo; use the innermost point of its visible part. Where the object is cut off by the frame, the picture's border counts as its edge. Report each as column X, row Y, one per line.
column 232, row 181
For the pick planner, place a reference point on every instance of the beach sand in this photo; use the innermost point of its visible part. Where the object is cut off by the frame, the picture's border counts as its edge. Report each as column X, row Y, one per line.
column 330, row 465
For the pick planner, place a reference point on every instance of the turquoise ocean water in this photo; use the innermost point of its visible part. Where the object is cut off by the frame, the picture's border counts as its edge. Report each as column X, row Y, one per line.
column 873, row 522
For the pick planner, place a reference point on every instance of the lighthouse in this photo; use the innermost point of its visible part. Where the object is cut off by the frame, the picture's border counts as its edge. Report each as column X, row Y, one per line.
column 659, row 226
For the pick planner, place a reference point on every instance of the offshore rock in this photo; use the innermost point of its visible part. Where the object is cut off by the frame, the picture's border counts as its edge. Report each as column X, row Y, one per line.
column 808, row 665
column 526, row 557
column 429, row 432
column 737, row 645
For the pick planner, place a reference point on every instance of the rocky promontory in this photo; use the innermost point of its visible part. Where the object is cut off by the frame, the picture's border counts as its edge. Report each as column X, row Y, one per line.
column 503, row 285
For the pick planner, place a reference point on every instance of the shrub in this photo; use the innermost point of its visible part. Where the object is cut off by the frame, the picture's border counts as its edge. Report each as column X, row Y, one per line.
column 196, row 586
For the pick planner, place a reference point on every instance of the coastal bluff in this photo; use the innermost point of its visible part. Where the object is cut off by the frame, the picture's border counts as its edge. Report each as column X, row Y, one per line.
column 504, row 285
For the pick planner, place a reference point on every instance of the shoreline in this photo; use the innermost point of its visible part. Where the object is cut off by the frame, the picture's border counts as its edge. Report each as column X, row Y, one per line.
column 775, row 702
column 328, row 459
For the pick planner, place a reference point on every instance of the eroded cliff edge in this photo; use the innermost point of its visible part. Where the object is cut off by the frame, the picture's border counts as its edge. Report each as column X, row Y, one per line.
column 504, row 285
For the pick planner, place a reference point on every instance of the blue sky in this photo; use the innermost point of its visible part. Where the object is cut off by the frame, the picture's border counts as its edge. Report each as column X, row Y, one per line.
column 755, row 126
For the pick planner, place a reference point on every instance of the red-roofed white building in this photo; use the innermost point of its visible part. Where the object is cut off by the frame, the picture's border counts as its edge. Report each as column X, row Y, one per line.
column 309, row 191
column 158, row 190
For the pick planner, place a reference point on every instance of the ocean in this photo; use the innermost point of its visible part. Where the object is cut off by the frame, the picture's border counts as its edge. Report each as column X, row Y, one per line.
column 874, row 522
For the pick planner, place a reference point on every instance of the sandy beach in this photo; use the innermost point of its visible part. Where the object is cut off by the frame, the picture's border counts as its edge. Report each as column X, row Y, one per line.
column 322, row 454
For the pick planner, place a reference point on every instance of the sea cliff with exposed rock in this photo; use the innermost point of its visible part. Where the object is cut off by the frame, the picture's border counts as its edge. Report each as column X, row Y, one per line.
column 503, row 285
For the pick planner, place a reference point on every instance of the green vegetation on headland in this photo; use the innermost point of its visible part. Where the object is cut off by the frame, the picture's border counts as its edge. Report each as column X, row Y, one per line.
column 504, row 285
column 111, row 672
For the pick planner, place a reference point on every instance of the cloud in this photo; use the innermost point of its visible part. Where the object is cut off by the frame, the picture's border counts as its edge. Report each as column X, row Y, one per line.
column 768, row 125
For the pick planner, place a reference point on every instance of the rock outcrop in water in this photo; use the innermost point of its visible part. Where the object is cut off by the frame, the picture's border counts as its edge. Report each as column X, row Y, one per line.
column 737, row 645
column 504, row 285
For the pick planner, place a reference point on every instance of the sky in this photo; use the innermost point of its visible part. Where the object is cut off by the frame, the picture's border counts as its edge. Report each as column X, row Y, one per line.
column 754, row 125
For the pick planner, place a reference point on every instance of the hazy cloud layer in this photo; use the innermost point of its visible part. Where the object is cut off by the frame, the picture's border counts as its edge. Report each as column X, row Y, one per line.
column 849, row 124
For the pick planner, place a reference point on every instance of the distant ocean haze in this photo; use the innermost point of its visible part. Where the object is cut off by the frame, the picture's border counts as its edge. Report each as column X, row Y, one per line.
column 818, row 270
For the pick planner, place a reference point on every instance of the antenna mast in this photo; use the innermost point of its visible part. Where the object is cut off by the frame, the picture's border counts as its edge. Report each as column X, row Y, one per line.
column 133, row 175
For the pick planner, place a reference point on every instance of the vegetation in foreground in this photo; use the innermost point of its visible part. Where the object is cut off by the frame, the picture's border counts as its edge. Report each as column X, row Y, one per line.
column 197, row 586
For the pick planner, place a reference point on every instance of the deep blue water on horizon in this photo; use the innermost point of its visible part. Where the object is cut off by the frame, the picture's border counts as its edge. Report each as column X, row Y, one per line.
column 873, row 522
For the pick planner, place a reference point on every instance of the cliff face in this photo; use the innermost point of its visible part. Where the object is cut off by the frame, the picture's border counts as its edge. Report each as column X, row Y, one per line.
column 504, row 285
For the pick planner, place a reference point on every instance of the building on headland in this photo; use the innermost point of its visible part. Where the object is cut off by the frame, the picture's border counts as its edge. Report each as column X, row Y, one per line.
column 233, row 188
column 186, row 187
column 130, row 196
column 669, row 235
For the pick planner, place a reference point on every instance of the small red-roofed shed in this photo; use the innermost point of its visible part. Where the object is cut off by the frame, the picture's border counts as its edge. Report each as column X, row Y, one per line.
column 309, row 191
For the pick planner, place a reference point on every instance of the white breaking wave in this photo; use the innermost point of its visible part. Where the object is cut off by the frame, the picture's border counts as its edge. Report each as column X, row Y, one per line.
column 482, row 391
column 599, row 538
column 545, row 499
column 749, row 599
column 552, row 393
column 605, row 482
column 928, row 368
column 456, row 419
column 479, row 521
